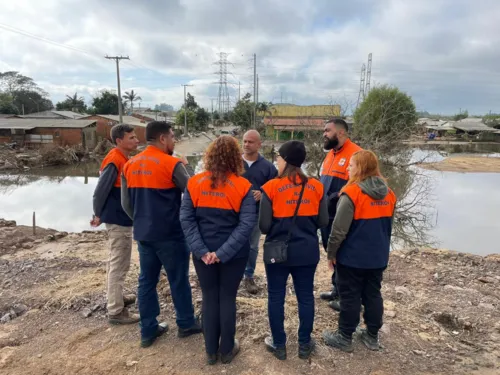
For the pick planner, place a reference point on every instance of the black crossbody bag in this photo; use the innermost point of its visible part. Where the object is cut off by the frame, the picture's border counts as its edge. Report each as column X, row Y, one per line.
column 277, row 251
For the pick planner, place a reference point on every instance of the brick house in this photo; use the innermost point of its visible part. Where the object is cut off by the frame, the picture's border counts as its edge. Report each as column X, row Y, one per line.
column 106, row 122
column 36, row 132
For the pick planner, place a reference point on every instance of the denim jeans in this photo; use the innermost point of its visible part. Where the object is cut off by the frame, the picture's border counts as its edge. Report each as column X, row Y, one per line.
column 303, row 282
column 219, row 284
column 254, row 252
column 174, row 257
column 360, row 286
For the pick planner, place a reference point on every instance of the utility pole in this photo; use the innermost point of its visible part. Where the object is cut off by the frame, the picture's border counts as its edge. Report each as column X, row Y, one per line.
column 361, row 95
column 185, row 111
column 254, row 90
column 117, row 59
column 368, row 74
column 257, row 89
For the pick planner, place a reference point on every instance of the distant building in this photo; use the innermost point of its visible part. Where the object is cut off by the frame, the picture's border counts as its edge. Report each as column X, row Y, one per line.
column 106, row 122
column 288, row 121
column 36, row 132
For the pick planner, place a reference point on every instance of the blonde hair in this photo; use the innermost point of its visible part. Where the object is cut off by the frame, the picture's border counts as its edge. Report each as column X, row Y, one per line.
column 367, row 166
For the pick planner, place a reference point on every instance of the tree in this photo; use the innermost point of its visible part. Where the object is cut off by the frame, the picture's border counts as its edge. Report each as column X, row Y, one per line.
column 26, row 95
column 242, row 113
column 105, row 104
column 163, row 107
column 461, row 115
column 190, row 102
column 202, row 119
column 386, row 117
column 7, row 104
column 131, row 97
column 190, row 118
column 72, row 103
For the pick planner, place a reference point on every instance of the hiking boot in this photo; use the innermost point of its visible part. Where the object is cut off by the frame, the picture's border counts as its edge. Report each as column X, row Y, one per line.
column 211, row 359
column 124, row 317
column 279, row 353
column 328, row 296
column 338, row 340
column 193, row 330
column 335, row 305
column 162, row 329
column 305, row 350
column 129, row 299
column 250, row 286
column 370, row 341
column 227, row 358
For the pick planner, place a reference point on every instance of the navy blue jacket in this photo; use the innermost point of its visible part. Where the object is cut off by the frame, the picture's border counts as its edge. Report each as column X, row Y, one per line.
column 261, row 171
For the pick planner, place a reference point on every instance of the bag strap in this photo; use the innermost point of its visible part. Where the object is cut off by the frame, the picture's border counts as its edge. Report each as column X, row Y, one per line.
column 295, row 213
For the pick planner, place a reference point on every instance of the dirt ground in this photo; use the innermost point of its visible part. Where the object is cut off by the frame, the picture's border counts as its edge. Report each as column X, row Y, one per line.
column 442, row 316
column 466, row 164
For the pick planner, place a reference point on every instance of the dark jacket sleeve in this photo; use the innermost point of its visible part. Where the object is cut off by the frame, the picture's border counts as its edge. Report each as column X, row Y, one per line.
column 190, row 227
column 180, row 176
column 241, row 234
column 125, row 198
column 323, row 216
column 104, row 185
column 273, row 173
column 341, row 225
column 265, row 214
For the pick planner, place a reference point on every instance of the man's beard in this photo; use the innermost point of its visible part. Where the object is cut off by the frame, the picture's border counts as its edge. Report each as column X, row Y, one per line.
column 331, row 143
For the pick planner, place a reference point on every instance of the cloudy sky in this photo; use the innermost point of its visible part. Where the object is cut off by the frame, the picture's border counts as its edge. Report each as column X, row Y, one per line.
column 444, row 53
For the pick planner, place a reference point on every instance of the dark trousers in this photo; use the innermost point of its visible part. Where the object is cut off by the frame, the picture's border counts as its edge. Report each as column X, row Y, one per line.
column 219, row 284
column 325, row 234
column 303, row 282
column 360, row 286
column 174, row 257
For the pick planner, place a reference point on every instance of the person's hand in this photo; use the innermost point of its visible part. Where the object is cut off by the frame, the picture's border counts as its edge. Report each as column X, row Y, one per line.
column 331, row 264
column 216, row 260
column 257, row 195
column 207, row 258
column 95, row 222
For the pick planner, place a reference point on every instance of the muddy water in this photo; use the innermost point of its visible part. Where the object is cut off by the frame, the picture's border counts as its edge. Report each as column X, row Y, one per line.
column 466, row 204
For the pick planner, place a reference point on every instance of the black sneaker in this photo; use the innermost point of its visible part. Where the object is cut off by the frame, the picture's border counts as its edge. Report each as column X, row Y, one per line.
column 335, row 305
column 162, row 329
column 370, row 341
column 211, row 359
column 193, row 330
column 305, row 350
column 338, row 340
column 279, row 353
column 327, row 296
column 227, row 358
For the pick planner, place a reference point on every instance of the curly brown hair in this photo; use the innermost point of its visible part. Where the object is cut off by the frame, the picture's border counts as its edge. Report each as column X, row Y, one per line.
column 222, row 158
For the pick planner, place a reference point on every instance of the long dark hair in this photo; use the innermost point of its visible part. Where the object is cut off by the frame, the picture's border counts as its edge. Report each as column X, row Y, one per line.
column 294, row 174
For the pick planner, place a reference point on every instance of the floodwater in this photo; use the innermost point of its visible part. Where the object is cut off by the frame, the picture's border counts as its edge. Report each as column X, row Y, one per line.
column 466, row 205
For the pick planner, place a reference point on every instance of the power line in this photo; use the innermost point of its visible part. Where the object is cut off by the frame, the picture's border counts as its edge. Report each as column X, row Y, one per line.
column 117, row 59
column 368, row 74
column 223, row 97
column 361, row 94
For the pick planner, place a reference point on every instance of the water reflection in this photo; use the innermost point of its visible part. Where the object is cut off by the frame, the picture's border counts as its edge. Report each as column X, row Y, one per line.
column 62, row 199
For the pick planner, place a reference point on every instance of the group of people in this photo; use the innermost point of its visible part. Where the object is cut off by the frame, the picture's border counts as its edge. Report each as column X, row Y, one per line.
column 218, row 216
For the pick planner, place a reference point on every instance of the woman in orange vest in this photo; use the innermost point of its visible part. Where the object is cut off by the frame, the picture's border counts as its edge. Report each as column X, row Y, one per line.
column 359, row 247
column 292, row 210
column 217, row 217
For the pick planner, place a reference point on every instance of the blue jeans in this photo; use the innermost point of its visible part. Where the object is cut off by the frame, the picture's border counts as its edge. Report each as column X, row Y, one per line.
column 303, row 282
column 174, row 257
column 254, row 252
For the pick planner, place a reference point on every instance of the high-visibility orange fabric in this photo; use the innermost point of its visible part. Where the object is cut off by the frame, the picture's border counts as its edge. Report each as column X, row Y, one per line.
column 336, row 162
column 227, row 197
column 284, row 196
column 151, row 169
column 116, row 157
column 366, row 207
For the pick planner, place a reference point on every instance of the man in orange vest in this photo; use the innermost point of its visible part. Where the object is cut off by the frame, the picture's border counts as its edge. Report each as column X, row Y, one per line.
column 334, row 176
column 152, row 185
column 108, row 210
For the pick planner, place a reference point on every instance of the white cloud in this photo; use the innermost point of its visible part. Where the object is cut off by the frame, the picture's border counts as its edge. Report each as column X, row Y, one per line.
column 444, row 53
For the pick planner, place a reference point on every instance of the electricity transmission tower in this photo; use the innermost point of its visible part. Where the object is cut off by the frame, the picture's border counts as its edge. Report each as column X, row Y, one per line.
column 223, row 103
column 361, row 94
column 368, row 74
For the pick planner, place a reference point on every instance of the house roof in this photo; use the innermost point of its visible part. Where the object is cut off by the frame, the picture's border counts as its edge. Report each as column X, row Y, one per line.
column 471, row 119
column 25, row 123
column 130, row 120
column 473, row 126
column 55, row 114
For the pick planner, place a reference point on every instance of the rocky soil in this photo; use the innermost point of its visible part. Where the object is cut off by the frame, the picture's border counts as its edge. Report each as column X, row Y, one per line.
column 442, row 316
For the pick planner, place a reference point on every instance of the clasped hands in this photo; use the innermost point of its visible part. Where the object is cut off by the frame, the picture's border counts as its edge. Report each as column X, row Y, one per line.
column 210, row 258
